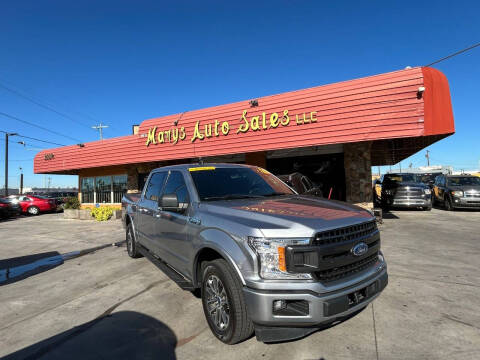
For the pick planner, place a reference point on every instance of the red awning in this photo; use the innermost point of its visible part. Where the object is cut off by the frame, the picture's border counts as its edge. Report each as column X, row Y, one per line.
column 408, row 104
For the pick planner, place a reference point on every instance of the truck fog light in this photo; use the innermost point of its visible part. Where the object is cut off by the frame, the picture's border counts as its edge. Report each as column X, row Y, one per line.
column 279, row 305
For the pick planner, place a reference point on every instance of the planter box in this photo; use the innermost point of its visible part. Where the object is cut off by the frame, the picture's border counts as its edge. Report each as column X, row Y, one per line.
column 82, row 214
column 70, row 213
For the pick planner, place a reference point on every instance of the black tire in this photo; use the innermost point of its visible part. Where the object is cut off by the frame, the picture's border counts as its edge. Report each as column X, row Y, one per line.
column 427, row 208
column 239, row 326
column 33, row 210
column 448, row 204
column 132, row 249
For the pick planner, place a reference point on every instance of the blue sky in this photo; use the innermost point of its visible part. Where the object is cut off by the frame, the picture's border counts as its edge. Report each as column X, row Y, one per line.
column 122, row 62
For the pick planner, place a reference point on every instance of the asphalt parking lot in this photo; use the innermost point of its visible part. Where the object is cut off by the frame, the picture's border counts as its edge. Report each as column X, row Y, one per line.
column 106, row 305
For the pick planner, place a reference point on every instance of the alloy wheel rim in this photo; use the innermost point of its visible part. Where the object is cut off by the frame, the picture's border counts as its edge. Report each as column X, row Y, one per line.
column 129, row 242
column 217, row 302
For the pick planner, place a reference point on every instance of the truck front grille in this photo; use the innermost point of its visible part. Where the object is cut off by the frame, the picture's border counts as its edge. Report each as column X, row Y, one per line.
column 349, row 233
column 336, row 259
column 337, row 273
column 407, row 193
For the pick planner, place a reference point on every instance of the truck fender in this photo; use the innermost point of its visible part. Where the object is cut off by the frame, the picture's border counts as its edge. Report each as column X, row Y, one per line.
column 224, row 245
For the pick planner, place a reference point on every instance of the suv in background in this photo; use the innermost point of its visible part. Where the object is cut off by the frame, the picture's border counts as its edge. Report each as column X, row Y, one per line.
column 457, row 191
column 402, row 190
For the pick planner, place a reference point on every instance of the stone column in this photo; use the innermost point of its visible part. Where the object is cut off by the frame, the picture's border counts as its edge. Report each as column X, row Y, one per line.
column 358, row 173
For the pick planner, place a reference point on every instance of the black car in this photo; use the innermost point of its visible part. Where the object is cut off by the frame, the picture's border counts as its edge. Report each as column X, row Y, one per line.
column 457, row 191
column 301, row 184
column 402, row 190
column 9, row 208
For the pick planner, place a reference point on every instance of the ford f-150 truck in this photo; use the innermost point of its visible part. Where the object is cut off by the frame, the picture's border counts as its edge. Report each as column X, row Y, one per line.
column 264, row 258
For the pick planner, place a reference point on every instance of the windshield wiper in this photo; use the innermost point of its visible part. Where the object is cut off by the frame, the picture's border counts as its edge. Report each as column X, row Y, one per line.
column 230, row 197
column 275, row 194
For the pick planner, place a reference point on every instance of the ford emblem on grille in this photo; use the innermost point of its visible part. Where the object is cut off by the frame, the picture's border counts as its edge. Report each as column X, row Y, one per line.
column 359, row 249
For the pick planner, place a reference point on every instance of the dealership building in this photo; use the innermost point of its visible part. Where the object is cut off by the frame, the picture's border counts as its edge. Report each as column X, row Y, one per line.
column 332, row 134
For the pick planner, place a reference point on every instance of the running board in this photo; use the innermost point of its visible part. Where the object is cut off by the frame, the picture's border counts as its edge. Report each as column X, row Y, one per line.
column 169, row 271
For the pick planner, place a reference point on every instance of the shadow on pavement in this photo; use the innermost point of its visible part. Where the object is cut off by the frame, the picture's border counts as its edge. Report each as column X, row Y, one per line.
column 121, row 335
column 19, row 268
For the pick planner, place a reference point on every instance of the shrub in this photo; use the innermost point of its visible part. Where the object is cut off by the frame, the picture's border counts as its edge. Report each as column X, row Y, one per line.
column 102, row 213
column 72, row 203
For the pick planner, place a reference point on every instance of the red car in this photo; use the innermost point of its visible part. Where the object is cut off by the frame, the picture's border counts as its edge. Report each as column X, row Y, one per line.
column 34, row 204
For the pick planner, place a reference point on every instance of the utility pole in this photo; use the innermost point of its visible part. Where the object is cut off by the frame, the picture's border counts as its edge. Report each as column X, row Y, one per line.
column 428, row 157
column 21, row 181
column 100, row 128
column 49, row 181
column 6, row 161
column 400, row 164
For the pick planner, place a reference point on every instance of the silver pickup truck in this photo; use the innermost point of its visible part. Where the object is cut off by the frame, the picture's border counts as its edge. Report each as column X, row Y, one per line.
column 263, row 258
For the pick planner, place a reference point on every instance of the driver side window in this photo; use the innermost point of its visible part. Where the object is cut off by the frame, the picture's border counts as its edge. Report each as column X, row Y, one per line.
column 176, row 185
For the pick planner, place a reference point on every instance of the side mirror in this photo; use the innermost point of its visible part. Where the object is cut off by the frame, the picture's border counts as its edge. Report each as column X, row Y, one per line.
column 169, row 202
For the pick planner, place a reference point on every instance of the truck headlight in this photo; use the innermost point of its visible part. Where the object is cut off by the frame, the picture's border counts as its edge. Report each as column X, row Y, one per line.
column 458, row 193
column 427, row 191
column 271, row 253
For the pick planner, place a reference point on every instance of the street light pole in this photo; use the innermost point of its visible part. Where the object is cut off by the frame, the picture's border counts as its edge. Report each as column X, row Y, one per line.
column 6, row 164
column 6, row 161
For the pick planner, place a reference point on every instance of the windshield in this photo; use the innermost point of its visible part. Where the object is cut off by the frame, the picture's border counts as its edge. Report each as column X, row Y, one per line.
column 425, row 178
column 236, row 183
column 399, row 178
column 463, row 180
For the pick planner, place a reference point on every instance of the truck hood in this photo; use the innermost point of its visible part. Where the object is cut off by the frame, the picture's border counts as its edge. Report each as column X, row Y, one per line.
column 287, row 216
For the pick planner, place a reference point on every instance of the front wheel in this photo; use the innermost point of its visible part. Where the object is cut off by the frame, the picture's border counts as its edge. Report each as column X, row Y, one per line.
column 448, row 204
column 33, row 210
column 224, row 304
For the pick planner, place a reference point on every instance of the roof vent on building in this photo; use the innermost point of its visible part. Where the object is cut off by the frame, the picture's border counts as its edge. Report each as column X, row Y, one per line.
column 253, row 103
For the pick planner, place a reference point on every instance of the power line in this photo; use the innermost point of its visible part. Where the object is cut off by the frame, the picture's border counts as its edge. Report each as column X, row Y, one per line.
column 38, row 126
column 47, row 107
column 32, row 138
column 454, row 54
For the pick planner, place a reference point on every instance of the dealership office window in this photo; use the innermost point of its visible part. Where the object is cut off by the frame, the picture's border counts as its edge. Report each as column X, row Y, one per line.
column 104, row 189
column 119, row 187
column 87, row 189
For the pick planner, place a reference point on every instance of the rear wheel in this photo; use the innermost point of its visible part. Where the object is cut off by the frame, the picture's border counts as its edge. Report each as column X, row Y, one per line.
column 131, row 244
column 33, row 210
column 223, row 303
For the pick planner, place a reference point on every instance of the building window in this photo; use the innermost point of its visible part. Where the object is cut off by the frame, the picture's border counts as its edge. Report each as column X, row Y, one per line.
column 103, row 188
column 119, row 187
column 87, row 190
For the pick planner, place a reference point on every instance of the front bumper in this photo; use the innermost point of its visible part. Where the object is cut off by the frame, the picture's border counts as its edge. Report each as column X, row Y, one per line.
column 412, row 202
column 466, row 202
column 323, row 309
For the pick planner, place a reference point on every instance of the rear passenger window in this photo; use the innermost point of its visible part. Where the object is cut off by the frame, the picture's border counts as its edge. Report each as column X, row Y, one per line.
column 154, row 186
column 176, row 185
